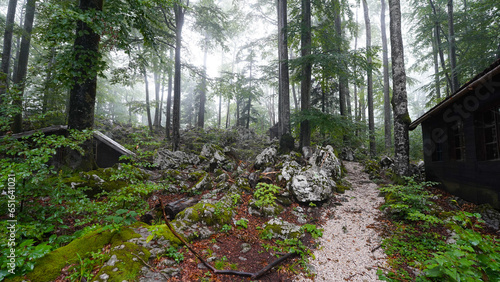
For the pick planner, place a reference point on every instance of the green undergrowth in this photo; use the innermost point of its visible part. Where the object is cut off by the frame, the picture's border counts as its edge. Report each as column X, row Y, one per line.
column 419, row 246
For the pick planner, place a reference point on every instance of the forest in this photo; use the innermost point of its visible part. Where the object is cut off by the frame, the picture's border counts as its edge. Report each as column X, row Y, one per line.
column 211, row 140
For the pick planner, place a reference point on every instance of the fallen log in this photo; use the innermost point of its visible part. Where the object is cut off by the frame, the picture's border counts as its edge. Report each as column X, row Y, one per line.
column 175, row 207
column 255, row 275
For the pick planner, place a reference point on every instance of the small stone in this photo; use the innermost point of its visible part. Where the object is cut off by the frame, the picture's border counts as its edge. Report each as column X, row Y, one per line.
column 201, row 266
column 245, row 248
column 112, row 260
column 242, row 258
column 115, row 269
column 104, row 276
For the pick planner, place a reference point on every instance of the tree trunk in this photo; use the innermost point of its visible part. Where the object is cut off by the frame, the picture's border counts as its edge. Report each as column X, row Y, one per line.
column 161, row 99
column 156, row 121
column 438, row 42
column 435, row 54
column 453, row 56
column 305, row 85
column 203, row 92
column 22, row 67
column 371, row 118
column 176, row 115
column 148, row 108
column 284, row 81
column 169, row 99
column 250, row 96
column 7, row 47
column 387, row 96
column 399, row 98
column 342, row 75
column 83, row 91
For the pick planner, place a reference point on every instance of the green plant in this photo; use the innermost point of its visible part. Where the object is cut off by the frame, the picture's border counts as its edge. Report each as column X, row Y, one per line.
column 83, row 270
column 243, row 222
column 221, row 263
column 226, row 228
column 175, row 254
column 410, row 201
column 474, row 257
column 312, row 229
column 121, row 217
column 265, row 194
column 26, row 253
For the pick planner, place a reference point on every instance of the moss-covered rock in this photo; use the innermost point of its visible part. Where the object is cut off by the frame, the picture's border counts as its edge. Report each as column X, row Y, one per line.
column 277, row 228
column 48, row 268
column 124, row 264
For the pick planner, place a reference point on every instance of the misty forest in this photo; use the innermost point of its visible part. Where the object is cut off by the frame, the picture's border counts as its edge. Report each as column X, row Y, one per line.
column 217, row 140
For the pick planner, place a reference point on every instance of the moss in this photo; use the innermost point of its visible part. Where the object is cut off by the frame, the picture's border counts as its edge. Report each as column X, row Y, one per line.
column 164, row 232
column 277, row 230
column 127, row 266
column 48, row 268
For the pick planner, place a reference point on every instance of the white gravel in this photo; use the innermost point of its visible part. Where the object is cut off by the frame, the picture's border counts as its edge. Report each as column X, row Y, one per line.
column 345, row 253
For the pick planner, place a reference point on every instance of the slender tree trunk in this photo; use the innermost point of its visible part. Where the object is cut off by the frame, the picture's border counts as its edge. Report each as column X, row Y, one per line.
column 47, row 84
column 438, row 42
column 435, row 54
column 176, row 119
column 148, row 107
column 387, row 96
column 156, row 121
column 399, row 98
column 219, row 117
column 295, row 100
column 228, row 116
column 203, row 92
column 371, row 118
column 342, row 76
column 161, row 99
column 22, row 67
column 7, row 47
column 18, row 44
column 169, row 99
column 305, row 86
column 250, row 96
column 284, row 81
column 453, row 56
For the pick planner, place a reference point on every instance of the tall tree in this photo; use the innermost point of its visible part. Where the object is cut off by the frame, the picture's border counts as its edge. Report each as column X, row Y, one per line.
column 305, row 85
column 387, row 97
column 369, row 81
column 7, row 47
column 203, row 90
column 148, row 104
column 22, row 63
column 453, row 56
column 179, row 11
column 399, row 97
column 83, row 90
column 169, row 98
column 284, row 81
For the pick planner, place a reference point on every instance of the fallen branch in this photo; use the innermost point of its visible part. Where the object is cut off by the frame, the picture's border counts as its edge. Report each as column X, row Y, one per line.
column 150, row 267
column 255, row 275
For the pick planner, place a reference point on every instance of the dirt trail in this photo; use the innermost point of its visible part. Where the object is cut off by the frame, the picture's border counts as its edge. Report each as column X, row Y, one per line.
column 346, row 250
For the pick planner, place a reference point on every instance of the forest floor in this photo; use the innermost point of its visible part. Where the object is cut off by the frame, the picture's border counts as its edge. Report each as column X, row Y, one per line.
column 350, row 247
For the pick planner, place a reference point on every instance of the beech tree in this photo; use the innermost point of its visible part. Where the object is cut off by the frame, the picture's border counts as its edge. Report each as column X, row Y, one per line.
column 7, row 47
column 305, row 85
column 399, row 96
column 369, row 81
column 385, row 65
column 284, row 81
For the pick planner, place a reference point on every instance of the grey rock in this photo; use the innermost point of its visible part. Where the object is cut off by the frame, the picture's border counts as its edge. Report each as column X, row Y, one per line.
column 266, row 157
column 167, row 159
column 312, row 186
column 245, row 248
column 112, row 261
column 386, row 162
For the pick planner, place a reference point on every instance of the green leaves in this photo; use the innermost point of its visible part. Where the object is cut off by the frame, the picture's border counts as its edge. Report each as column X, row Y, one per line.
column 265, row 194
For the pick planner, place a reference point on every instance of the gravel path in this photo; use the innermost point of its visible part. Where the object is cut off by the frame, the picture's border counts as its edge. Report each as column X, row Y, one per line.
column 345, row 253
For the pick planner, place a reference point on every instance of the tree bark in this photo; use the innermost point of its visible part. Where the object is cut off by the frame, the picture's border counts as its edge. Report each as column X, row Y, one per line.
column 161, row 99
column 7, row 47
column 169, row 99
column 453, row 56
column 435, row 54
column 148, row 107
column 176, row 115
column 438, row 42
column 387, row 96
column 305, row 86
column 369, row 82
column 203, row 92
column 284, row 81
column 156, row 121
column 83, row 91
column 22, row 64
column 399, row 99
column 342, row 77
